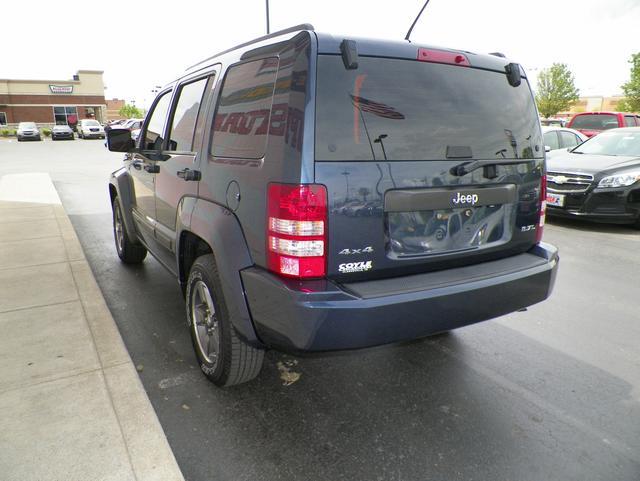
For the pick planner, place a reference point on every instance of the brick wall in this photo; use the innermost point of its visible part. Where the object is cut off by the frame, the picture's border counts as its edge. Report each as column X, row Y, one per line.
column 52, row 99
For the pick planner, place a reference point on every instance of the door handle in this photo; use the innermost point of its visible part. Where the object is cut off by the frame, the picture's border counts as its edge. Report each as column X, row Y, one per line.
column 152, row 168
column 137, row 164
column 189, row 175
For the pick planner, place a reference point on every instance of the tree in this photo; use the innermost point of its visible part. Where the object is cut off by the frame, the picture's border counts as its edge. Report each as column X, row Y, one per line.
column 364, row 192
column 130, row 112
column 631, row 102
column 556, row 90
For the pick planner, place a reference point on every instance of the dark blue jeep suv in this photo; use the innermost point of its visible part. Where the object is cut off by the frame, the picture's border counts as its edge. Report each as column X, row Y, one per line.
column 317, row 193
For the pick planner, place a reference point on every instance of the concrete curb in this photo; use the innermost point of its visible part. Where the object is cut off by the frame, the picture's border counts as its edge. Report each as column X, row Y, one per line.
column 72, row 404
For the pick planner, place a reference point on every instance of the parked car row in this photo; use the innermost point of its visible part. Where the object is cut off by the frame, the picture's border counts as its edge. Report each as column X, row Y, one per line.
column 598, row 180
column 86, row 128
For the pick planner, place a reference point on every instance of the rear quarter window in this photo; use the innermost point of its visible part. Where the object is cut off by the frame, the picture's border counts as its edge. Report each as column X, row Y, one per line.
column 241, row 122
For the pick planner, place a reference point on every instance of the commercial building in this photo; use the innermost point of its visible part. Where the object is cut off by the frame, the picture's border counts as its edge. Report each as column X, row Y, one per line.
column 113, row 109
column 51, row 102
column 592, row 104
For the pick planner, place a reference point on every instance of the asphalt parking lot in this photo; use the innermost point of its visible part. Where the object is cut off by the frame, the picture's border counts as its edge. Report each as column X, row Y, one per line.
column 548, row 394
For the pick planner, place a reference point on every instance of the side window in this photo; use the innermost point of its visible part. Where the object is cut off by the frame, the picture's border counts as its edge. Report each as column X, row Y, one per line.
column 185, row 115
column 551, row 140
column 629, row 121
column 568, row 139
column 153, row 136
column 243, row 113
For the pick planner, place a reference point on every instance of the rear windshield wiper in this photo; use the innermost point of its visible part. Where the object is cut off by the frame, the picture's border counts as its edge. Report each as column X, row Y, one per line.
column 467, row 167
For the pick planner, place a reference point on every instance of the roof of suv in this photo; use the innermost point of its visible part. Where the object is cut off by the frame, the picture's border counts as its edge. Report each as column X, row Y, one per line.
column 330, row 44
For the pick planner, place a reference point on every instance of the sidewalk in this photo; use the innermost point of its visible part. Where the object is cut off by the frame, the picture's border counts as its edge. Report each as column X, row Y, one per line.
column 72, row 407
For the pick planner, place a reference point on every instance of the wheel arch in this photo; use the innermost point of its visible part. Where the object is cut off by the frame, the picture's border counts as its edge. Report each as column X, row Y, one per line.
column 120, row 186
column 205, row 227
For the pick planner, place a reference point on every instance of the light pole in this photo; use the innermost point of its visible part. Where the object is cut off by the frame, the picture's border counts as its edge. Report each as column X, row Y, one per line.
column 378, row 140
column 268, row 32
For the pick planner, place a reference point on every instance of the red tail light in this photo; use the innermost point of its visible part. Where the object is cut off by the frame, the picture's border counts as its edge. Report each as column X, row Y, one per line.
column 543, row 207
column 297, row 230
column 442, row 56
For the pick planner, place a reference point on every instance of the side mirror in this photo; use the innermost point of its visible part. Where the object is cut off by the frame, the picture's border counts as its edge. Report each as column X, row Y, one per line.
column 119, row 140
column 547, row 148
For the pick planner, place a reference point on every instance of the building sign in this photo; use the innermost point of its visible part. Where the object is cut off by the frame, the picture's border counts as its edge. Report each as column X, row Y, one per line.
column 61, row 89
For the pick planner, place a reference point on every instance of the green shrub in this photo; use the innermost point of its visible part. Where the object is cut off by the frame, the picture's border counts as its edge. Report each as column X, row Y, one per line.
column 46, row 132
column 4, row 132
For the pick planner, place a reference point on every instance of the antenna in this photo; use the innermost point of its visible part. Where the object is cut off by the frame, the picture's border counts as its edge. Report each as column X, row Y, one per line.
column 415, row 21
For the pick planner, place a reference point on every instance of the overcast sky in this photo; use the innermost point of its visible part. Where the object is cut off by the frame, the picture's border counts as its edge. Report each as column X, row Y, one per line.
column 140, row 43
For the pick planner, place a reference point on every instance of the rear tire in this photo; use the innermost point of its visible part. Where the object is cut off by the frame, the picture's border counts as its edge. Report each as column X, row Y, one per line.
column 223, row 357
column 128, row 252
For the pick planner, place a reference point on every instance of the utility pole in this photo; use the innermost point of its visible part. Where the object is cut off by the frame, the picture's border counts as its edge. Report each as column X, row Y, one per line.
column 268, row 30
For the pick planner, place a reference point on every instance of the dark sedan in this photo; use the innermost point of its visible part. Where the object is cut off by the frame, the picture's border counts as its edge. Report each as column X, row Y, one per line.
column 598, row 180
column 62, row 132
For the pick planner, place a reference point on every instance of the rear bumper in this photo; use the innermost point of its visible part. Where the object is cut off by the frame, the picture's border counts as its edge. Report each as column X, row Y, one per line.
column 324, row 316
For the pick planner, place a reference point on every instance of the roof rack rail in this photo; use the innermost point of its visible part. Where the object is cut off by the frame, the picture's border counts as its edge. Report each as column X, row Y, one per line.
column 302, row 26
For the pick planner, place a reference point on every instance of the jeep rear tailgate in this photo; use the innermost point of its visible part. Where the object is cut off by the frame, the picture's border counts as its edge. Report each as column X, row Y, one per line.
column 427, row 166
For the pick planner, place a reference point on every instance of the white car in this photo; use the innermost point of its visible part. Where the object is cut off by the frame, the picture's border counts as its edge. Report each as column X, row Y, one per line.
column 131, row 124
column 28, row 131
column 90, row 128
column 561, row 138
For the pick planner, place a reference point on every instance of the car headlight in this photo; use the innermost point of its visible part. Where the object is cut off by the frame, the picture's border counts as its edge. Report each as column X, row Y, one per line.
column 620, row 180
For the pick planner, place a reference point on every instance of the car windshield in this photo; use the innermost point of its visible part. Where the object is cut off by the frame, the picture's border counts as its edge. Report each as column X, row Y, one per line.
column 595, row 122
column 91, row 123
column 27, row 125
column 392, row 109
column 618, row 142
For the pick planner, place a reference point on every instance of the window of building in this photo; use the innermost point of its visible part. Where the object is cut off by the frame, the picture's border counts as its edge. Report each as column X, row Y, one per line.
column 3, row 118
column 244, row 109
column 186, row 115
column 65, row 115
column 153, row 139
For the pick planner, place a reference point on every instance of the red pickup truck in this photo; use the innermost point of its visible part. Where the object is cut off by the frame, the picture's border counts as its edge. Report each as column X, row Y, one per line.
column 592, row 123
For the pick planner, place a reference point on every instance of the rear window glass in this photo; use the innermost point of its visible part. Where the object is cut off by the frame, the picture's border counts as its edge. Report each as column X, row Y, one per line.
column 595, row 122
column 408, row 110
column 241, row 123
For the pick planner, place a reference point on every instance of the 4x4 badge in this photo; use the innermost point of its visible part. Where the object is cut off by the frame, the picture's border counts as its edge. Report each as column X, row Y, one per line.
column 366, row 250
